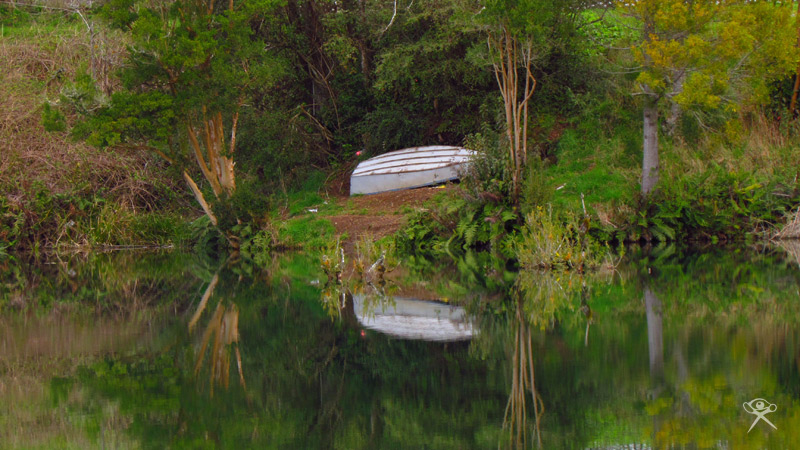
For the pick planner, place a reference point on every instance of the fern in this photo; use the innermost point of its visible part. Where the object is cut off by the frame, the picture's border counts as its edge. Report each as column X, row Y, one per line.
column 470, row 232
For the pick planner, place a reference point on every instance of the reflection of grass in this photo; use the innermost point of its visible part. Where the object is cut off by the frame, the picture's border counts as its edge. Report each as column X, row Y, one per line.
column 122, row 282
column 28, row 419
column 37, row 408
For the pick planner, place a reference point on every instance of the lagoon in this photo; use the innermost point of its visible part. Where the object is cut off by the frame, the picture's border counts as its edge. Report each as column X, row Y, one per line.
column 175, row 350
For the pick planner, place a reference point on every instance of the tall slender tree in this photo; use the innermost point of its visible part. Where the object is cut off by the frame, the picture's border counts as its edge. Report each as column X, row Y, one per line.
column 520, row 33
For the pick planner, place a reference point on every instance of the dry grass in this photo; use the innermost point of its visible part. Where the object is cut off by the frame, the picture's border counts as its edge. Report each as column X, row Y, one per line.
column 762, row 146
column 790, row 231
column 34, row 67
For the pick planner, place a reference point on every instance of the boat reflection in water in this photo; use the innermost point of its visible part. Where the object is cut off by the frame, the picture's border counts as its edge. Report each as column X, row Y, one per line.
column 408, row 318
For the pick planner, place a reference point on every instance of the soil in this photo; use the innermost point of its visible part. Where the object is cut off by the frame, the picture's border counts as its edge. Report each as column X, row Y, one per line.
column 383, row 214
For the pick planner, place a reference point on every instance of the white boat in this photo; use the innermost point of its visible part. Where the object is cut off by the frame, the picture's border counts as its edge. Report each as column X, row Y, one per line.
column 409, row 168
column 408, row 318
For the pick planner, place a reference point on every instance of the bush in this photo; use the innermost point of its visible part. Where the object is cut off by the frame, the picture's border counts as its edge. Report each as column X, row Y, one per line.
column 456, row 222
column 712, row 205
column 547, row 242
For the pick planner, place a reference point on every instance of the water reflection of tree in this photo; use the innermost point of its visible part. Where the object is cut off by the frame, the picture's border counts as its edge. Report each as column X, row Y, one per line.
column 316, row 383
column 223, row 327
column 696, row 390
column 123, row 284
column 523, row 384
column 542, row 300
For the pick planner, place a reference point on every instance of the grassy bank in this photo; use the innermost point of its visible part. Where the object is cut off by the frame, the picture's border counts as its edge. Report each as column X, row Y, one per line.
column 725, row 175
column 57, row 192
column 726, row 184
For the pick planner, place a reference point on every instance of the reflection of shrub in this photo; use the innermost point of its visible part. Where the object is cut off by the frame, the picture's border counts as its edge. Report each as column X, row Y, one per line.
column 548, row 296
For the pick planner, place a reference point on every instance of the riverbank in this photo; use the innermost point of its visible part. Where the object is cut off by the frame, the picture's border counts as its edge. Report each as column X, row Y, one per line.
column 733, row 181
column 59, row 192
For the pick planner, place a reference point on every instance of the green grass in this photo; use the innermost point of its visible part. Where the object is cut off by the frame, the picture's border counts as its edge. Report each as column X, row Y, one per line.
column 308, row 197
column 595, row 165
column 306, row 232
column 20, row 24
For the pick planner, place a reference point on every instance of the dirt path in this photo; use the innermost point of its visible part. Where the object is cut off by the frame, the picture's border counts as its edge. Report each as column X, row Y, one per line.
column 378, row 215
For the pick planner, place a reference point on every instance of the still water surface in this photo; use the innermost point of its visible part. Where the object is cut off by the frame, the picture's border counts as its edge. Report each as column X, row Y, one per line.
column 169, row 350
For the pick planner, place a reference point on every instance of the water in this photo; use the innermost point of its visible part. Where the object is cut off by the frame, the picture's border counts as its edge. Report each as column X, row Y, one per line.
column 104, row 351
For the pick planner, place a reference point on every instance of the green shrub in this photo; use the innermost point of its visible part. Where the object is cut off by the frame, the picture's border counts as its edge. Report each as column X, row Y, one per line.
column 53, row 119
column 548, row 242
column 456, row 222
column 712, row 205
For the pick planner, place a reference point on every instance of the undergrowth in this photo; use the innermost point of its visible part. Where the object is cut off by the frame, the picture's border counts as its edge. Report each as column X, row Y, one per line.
column 455, row 222
column 56, row 192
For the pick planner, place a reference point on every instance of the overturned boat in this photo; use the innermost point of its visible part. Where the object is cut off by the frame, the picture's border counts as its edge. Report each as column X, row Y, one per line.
column 408, row 318
column 409, row 168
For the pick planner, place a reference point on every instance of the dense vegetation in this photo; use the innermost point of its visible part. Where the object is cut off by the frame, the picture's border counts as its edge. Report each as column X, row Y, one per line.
column 241, row 104
column 234, row 126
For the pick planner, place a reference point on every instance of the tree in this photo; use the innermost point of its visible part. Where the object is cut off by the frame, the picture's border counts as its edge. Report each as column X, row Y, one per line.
column 520, row 33
column 192, row 66
column 696, row 53
column 427, row 90
column 796, row 87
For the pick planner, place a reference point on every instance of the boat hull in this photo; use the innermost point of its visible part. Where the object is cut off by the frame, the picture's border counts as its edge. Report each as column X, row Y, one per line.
column 409, row 168
column 408, row 318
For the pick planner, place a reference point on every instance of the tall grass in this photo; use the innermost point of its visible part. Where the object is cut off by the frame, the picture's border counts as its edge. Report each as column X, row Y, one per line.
column 56, row 190
column 724, row 177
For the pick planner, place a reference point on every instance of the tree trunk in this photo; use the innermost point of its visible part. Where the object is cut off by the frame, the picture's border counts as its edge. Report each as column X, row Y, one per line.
column 650, row 157
column 365, row 59
column 793, row 104
column 675, row 109
column 510, row 55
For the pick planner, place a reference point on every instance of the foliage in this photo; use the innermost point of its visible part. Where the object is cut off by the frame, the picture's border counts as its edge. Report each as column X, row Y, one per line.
column 426, row 87
column 313, row 82
column 178, row 55
column 714, row 205
column 547, row 243
column 55, row 190
column 699, row 55
column 456, row 222
column 487, row 174
column 52, row 119
column 83, row 219
column 713, row 43
column 519, row 35
column 255, row 244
